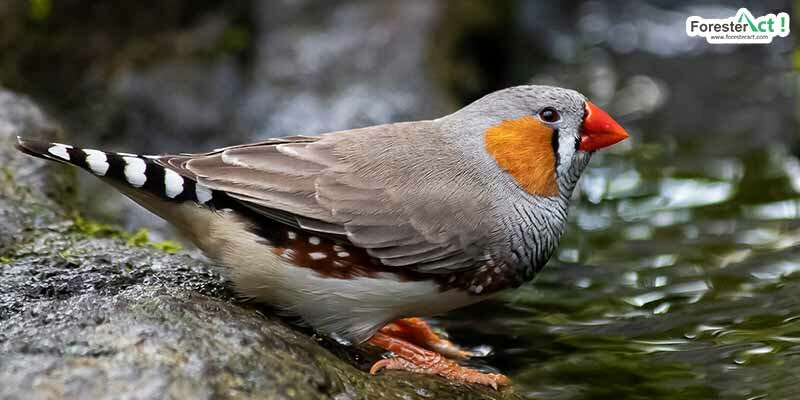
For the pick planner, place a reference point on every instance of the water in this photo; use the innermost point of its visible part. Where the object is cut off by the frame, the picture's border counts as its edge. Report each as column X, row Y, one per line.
column 678, row 277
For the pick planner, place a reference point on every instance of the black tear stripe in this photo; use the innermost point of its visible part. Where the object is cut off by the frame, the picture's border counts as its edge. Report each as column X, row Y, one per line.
column 554, row 143
column 578, row 141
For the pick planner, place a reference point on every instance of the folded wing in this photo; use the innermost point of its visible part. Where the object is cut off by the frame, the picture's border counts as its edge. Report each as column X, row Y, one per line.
column 303, row 182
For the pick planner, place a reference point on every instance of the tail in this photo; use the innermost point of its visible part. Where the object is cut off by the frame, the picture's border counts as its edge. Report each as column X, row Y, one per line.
column 135, row 175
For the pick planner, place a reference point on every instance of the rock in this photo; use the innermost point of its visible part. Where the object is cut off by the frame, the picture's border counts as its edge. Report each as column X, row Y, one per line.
column 28, row 205
column 87, row 317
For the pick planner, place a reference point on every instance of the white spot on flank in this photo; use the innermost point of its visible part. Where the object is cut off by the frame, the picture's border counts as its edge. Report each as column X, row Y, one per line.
column 313, row 240
column 97, row 160
column 202, row 193
column 343, row 254
column 59, row 150
column 488, row 280
column 317, row 255
column 292, row 235
column 497, row 270
column 288, row 253
column 173, row 183
column 478, row 289
column 134, row 171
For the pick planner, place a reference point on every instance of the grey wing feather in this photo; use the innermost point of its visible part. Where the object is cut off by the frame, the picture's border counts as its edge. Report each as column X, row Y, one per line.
column 301, row 181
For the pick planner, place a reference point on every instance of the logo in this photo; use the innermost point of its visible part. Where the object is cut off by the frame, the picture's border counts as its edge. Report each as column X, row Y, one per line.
column 742, row 28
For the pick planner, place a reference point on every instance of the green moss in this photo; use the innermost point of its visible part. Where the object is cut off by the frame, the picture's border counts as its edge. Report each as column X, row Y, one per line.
column 167, row 246
column 67, row 255
column 39, row 10
column 96, row 229
column 8, row 176
column 8, row 185
column 140, row 238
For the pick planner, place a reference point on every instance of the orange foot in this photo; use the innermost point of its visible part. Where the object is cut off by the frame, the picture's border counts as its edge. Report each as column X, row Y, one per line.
column 417, row 331
column 410, row 357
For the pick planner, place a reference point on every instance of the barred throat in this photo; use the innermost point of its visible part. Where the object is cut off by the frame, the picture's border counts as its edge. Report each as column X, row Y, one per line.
column 139, row 172
column 537, row 229
column 543, row 220
column 569, row 176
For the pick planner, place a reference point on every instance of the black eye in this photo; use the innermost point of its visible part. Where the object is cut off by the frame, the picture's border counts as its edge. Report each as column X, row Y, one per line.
column 549, row 114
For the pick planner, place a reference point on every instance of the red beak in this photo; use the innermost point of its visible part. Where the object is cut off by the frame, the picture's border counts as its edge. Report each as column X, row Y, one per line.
column 599, row 129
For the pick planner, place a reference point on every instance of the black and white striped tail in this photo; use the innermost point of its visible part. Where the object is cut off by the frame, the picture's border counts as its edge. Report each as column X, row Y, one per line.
column 140, row 172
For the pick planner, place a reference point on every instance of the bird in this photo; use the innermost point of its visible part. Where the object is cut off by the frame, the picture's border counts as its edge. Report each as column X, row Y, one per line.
column 362, row 233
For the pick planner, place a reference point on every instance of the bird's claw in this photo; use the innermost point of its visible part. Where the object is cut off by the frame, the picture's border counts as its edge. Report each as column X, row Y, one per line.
column 442, row 367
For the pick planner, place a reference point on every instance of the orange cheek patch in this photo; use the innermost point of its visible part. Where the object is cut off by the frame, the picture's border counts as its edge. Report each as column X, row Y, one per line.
column 523, row 148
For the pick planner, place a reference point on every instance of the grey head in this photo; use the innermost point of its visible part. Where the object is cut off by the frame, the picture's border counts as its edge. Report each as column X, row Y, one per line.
column 534, row 142
column 561, row 110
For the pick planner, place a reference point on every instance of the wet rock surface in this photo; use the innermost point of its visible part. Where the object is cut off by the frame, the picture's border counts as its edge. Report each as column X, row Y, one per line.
column 86, row 317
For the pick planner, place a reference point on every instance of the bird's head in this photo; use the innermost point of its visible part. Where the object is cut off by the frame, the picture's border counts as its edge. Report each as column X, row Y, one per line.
column 542, row 136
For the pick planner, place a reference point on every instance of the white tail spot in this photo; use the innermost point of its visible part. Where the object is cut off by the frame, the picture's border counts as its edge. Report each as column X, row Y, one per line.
column 59, row 150
column 202, row 193
column 134, row 171
column 343, row 254
column 97, row 160
column 173, row 183
column 317, row 255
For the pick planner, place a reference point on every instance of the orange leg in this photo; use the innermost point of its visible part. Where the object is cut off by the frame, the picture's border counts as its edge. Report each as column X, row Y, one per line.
column 410, row 357
column 417, row 331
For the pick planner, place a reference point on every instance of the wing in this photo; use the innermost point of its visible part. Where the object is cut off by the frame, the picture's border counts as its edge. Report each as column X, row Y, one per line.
column 309, row 183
